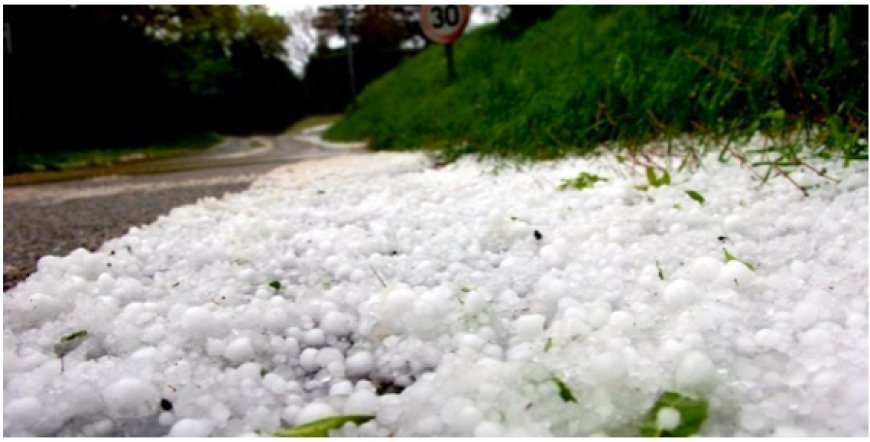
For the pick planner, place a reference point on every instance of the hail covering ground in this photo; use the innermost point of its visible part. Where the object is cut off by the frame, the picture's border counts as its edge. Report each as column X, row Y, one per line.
column 623, row 295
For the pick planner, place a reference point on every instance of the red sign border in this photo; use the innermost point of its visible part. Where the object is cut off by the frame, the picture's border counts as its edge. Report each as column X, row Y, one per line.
column 443, row 38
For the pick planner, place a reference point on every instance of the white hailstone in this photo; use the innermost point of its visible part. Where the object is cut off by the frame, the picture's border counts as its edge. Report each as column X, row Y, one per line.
column 308, row 359
column 856, row 320
column 145, row 353
column 343, row 388
column 41, row 307
column 220, row 413
column 789, row 431
column 552, row 256
column 313, row 412
column 598, row 314
column 621, row 319
column 804, row 314
column 275, row 319
column 488, row 429
column 190, row 428
column 328, row 355
column 466, row 418
column 357, row 275
column 335, row 324
column 131, row 397
column 816, row 338
column 361, row 401
column 705, row 268
column 470, row 340
column 681, row 292
column 668, row 418
column 520, row 352
column 529, row 326
column 197, row 320
column 475, row 302
column 608, row 366
column 398, row 302
column 734, row 223
column 25, row 411
column 800, row 269
column 314, row 338
column 250, row 370
column 695, row 371
column 359, row 364
column 290, row 412
column 239, row 350
column 215, row 347
column 735, row 274
column 274, row 383
column 428, row 426
column 165, row 419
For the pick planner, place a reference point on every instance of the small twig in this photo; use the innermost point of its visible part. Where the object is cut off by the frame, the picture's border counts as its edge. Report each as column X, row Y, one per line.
column 378, row 276
column 784, row 174
column 818, row 172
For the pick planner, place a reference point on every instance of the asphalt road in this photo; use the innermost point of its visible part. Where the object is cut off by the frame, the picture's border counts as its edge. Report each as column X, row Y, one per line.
column 56, row 217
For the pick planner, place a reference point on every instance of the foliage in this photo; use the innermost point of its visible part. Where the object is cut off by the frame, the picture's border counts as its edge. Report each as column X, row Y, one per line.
column 39, row 161
column 137, row 76
column 693, row 413
column 693, row 194
column 634, row 74
column 320, row 428
column 564, row 392
column 582, row 181
column 656, row 181
column 729, row 257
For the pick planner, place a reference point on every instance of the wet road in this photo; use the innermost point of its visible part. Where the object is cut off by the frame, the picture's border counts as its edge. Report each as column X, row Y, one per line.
column 57, row 217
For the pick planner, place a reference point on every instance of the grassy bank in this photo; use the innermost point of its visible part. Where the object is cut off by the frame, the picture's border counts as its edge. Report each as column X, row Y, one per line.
column 36, row 162
column 631, row 74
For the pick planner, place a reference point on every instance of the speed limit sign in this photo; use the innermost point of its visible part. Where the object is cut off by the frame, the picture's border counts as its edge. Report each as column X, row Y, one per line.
column 444, row 23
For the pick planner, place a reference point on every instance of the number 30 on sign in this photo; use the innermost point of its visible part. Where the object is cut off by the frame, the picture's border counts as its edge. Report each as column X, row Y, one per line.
column 444, row 23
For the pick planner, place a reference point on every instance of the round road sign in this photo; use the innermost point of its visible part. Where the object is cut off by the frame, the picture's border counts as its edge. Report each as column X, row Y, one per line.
column 444, row 23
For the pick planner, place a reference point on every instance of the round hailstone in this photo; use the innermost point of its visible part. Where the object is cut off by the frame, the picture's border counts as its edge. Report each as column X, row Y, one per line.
column 335, row 324
column 705, row 268
column 488, row 429
column 25, row 411
column 314, row 338
column 308, row 359
column 131, row 397
column 695, row 371
column 190, row 428
column 735, row 274
column 361, row 402
column 328, row 355
column 529, row 326
column 197, row 320
column 274, row 383
column 668, row 418
column 359, row 364
column 804, row 314
column 681, row 292
column 313, row 412
column 239, row 350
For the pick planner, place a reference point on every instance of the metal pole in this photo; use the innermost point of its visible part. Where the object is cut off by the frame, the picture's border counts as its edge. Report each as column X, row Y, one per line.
column 451, row 70
column 349, row 46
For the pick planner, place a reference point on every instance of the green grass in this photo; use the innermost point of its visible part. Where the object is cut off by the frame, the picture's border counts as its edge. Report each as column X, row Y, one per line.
column 109, row 157
column 631, row 74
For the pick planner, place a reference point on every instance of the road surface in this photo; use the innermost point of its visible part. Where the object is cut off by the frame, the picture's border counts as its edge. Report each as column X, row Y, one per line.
column 57, row 217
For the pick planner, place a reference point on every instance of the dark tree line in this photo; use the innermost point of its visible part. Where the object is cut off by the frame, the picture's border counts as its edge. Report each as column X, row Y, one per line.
column 86, row 77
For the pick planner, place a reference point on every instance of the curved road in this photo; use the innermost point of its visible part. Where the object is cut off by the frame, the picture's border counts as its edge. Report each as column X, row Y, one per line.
column 56, row 218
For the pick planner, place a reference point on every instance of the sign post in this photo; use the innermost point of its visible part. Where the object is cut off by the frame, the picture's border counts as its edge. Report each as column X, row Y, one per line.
column 444, row 24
